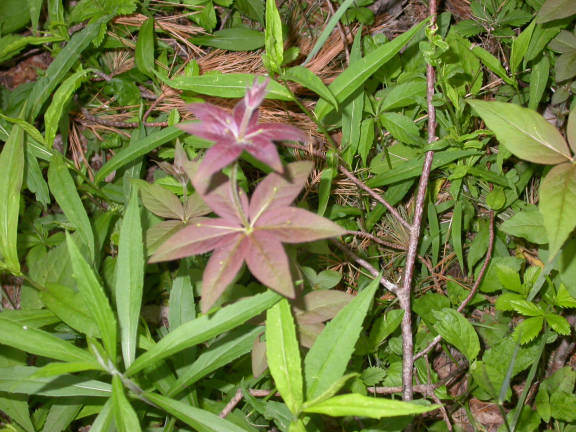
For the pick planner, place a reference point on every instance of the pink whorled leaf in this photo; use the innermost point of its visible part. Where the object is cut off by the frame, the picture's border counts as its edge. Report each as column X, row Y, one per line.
column 295, row 225
column 268, row 262
column 222, row 268
column 253, row 233
column 233, row 133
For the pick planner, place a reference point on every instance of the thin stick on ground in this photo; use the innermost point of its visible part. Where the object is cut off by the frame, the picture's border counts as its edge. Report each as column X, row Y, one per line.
column 405, row 293
column 474, row 289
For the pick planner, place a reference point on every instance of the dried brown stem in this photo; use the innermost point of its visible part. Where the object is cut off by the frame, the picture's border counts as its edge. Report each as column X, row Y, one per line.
column 405, row 293
column 120, row 124
column 341, row 31
column 232, row 404
column 390, row 286
column 375, row 239
column 474, row 289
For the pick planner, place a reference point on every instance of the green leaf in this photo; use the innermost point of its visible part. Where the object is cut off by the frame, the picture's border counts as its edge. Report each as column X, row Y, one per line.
column 564, row 299
column 565, row 66
column 225, row 351
column 456, row 233
column 555, row 9
column 103, row 421
column 557, row 203
column 58, row 368
column 22, row 380
column 205, row 328
column 457, row 331
column 527, row 330
column 526, row 308
column 31, row 318
column 308, row 79
column 493, row 64
column 145, row 48
column 231, row 85
column 70, row 307
column 16, row 407
column 129, row 283
column 59, row 101
column 94, row 297
column 125, row 417
column 232, row 39
column 64, row 190
column 402, row 128
column 413, row 167
column 145, row 145
column 63, row 62
column 39, row 342
column 61, row 414
column 367, row 406
column 538, row 81
column 356, row 75
column 520, row 47
column 558, row 323
column 326, row 361
column 182, row 307
column 273, row 40
column 27, row 127
column 253, row 9
column 524, row 132
column 160, row 201
column 202, row 420
column 571, row 130
column 327, row 31
column 527, row 224
column 283, row 355
column 12, row 169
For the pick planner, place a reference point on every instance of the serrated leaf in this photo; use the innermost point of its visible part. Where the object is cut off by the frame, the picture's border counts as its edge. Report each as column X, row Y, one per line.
column 524, row 132
column 64, row 190
column 199, row 419
column 557, row 204
column 457, row 331
column 558, row 323
column 564, row 299
column 527, row 330
column 555, row 9
column 12, row 168
column 205, row 328
column 94, row 297
column 367, row 406
column 129, row 284
column 326, row 361
column 283, row 355
column 526, row 308
column 373, row 375
column 125, row 417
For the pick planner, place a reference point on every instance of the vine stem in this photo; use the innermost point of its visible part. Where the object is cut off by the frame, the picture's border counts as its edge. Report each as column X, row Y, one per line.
column 405, row 292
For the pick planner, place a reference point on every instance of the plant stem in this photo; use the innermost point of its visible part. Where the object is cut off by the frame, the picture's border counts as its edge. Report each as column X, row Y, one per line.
column 405, row 293
column 236, row 195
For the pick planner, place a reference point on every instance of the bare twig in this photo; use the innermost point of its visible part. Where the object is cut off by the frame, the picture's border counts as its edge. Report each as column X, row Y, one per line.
column 232, row 404
column 342, row 33
column 474, row 289
column 119, row 124
column 376, row 239
column 405, row 293
column 390, row 286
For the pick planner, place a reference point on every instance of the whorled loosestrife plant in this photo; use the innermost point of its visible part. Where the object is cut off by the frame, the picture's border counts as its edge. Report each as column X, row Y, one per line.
column 246, row 230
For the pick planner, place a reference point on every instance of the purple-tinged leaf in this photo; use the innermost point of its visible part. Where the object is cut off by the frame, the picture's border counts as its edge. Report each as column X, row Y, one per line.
column 295, row 225
column 220, row 199
column 278, row 132
column 268, row 262
column 265, row 151
column 159, row 233
column 222, row 267
column 320, row 306
column 216, row 158
column 279, row 190
column 195, row 206
column 197, row 238
column 557, row 204
column 161, row 201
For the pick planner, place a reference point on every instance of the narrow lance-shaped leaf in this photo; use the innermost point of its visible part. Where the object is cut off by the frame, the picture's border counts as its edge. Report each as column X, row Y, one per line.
column 283, row 355
column 64, row 190
column 130, row 278
column 557, row 204
column 326, row 361
column 12, row 168
column 523, row 132
column 94, row 297
column 125, row 417
column 145, row 48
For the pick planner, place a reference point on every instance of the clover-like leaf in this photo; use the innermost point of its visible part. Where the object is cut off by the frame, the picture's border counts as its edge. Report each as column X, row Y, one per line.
column 250, row 232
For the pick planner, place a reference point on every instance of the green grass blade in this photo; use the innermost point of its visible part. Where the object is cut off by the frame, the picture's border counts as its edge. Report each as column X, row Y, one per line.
column 125, row 417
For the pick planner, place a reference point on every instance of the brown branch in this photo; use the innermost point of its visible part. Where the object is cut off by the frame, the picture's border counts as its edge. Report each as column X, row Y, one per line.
column 232, row 404
column 375, row 239
column 405, row 293
column 390, row 286
column 474, row 289
column 119, row 124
